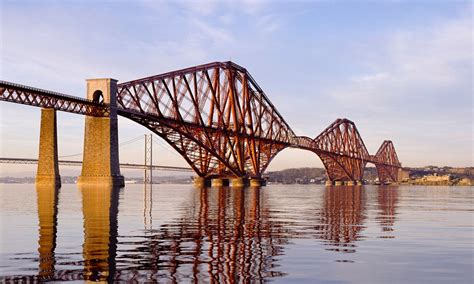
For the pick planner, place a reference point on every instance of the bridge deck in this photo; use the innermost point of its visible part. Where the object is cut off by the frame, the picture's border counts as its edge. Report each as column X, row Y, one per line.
column 79, row 163
column 219, row 120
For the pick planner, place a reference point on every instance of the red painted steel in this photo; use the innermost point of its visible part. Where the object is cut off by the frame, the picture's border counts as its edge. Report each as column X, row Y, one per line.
column 214, row 115
column 21, row 94
column 342, row 151
column 387, row 163
column 221, row 122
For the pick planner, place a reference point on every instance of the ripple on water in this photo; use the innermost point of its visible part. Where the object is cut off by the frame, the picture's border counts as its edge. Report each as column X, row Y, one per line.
column 281, row 233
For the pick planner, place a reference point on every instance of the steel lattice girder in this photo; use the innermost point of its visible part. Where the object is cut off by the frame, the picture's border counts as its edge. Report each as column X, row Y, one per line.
column 342, row 151
column 221, row 122
column 387, row 163
column 21, row 94
column 221, row 115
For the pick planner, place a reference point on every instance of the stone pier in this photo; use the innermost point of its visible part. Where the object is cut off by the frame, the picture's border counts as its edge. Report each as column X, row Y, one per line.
column 219, row 182
column 256, row 182
column 48, row 169
column 100, row 165
column 201, row 182
column 237, row 182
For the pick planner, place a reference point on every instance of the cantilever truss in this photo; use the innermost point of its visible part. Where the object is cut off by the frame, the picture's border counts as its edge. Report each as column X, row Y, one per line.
column 214, row 115
column 342, row 151
column 221, row 122
column 345, row 156
column 386, row 161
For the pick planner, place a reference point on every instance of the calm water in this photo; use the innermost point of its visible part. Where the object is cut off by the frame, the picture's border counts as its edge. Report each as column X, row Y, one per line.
column 178, row 233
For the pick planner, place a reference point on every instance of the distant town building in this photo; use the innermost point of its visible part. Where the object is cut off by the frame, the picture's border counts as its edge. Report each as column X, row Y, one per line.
column 403, row 174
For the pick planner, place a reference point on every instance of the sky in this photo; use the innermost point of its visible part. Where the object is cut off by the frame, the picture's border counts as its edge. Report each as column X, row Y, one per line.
column 401, row 70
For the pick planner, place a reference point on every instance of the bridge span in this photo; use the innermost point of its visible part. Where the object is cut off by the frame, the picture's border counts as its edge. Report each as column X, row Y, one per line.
column 214, row 115
column 24, row 161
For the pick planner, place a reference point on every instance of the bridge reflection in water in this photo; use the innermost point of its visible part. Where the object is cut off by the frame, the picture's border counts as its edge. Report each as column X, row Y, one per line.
column 342, row 216
column 387, row 201
column 100, row 209
column 225, row 235
column 48, row 220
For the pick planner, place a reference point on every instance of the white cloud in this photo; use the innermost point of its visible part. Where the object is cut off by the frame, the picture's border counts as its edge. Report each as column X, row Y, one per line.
column 200, row 7
column 420, row 86
column 370, row 78
column 413, row 65
column 268, row 23
column 226, row 19
column 216, row 34
column 253, row 7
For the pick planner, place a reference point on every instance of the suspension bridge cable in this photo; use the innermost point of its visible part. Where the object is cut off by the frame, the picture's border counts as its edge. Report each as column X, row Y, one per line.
column 158, row 142
column 72, row 155
column 130, row 141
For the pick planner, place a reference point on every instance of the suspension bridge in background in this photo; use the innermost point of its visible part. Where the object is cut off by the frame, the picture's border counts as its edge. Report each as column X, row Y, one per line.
column 148, row 167
column 215, row 116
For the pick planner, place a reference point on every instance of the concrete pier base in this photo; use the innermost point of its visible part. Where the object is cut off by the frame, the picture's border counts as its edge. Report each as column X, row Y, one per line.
column 201, row 182
column 256, row 182
column 237, row 182
column 219, row 182
column 231, row 182
column 100, row 165
column 48, row 169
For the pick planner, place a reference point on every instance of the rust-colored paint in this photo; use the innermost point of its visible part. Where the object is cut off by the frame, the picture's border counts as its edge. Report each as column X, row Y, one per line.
column 222, row 123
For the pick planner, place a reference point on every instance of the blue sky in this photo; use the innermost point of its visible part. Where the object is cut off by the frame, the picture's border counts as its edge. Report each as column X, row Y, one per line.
column 401, row 70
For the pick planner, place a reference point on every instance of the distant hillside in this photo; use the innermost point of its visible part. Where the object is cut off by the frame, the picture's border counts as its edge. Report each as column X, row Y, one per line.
column 318, row 175
column 291, row 175
column 308, row 175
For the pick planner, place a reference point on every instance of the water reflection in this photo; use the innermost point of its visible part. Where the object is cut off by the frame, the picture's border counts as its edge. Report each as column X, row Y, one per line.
column 147, row 206
column 100, row 209
column 219, row 235
column 47, row 199
column 387, row 202
column 342, row 217
column 223, row 237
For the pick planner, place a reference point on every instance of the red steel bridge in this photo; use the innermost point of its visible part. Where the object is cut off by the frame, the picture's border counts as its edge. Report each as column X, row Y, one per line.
column 221, row 122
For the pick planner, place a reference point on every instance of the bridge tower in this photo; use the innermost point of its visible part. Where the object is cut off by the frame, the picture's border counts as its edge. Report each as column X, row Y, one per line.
column 100, row 164
column 148, row 176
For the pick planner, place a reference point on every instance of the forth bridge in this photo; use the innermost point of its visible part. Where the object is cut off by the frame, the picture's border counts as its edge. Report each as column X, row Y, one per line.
column 215, row 116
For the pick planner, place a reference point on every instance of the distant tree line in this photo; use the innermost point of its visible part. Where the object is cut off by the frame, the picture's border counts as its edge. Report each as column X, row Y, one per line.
column 318, row 175
column 308, row 175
